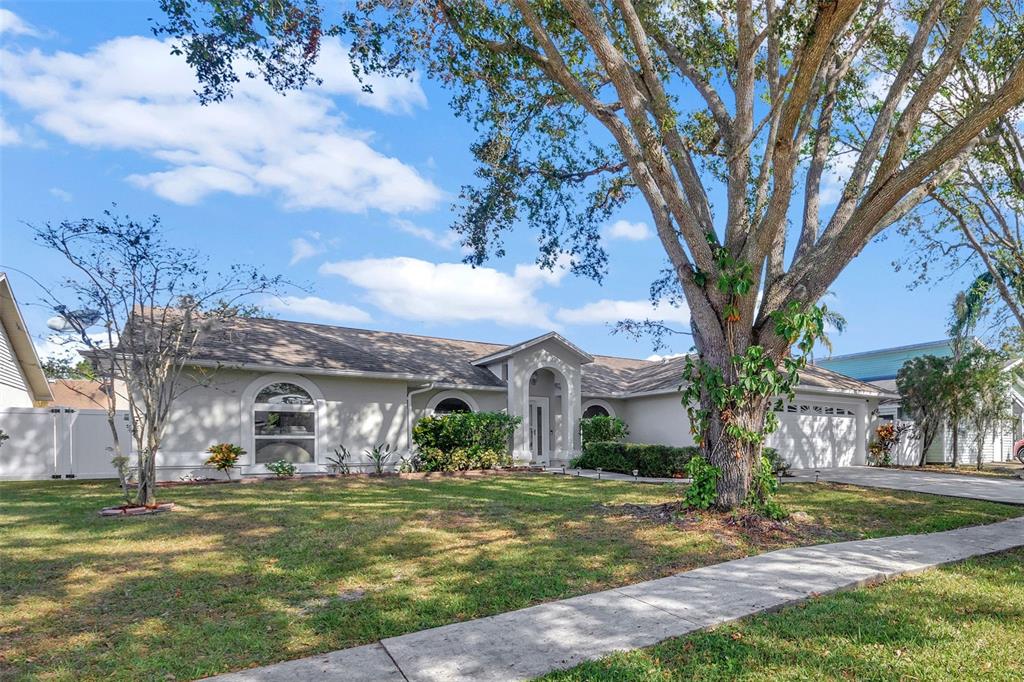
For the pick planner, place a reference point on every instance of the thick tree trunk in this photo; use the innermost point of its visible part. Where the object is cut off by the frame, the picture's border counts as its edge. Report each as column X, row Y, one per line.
column 736, row 458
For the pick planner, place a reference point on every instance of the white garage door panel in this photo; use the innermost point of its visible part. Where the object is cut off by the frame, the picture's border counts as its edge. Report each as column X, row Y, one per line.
column 812, row 441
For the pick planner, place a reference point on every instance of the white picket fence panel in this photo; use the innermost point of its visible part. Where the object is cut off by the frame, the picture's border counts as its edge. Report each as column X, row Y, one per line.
column 59, row 443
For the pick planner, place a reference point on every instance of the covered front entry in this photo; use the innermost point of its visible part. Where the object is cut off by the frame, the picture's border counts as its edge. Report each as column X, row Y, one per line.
column 544, row 379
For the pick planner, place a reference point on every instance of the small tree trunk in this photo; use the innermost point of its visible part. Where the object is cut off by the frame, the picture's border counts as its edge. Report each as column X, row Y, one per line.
column 956, row 441
column 981, row 445
column 146, row 493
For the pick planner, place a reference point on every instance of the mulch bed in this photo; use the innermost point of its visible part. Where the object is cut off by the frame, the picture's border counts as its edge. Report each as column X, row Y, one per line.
column 760, row 530
column 389, row 474
column 136, row 510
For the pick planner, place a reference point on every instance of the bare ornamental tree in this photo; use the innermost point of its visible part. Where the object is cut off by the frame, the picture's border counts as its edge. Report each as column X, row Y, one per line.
column 140, row 306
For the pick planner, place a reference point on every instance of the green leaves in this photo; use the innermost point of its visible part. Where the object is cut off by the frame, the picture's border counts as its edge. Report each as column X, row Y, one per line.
column 703, row 488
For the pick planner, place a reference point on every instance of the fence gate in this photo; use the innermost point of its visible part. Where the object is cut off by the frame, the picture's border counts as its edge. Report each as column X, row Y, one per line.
column 59, row 443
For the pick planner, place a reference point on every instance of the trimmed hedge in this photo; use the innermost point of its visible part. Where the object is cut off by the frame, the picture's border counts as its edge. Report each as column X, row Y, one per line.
column 603, row 428
column 464, row 440
column 662, row 461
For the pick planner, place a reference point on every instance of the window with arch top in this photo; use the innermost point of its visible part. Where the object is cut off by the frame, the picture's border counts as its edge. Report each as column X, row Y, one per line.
column 452, row 406
column 595, row 411
column 285, row 424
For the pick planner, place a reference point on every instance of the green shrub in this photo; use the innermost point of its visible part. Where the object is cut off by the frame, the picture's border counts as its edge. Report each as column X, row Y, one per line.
column 282, row 468
column 780, row 467
column 603, row 428
column 379, row 456
column 662, row 461
column 763, row 486
column 702, row 491
column 464, row 440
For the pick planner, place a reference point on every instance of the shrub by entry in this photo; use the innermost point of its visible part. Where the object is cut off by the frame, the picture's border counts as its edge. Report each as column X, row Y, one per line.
column 464, row 440
column 660, row 461
column 603, row 428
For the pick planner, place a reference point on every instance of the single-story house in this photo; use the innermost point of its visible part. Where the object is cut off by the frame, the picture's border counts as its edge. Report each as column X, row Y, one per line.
column 296, row 391
column 22, row 382
column 880, row 367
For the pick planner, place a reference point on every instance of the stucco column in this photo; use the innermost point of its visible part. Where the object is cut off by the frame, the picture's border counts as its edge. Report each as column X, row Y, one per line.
column 519, row 406
column 572, row 408
column 863, row 419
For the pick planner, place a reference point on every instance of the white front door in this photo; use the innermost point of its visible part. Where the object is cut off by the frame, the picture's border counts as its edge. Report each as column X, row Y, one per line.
column 537, row 422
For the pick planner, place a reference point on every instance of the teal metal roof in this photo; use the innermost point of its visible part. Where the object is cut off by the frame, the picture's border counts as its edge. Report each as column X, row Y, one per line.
column 884, row 363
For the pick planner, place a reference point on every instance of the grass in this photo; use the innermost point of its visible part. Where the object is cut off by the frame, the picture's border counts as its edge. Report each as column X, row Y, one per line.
column 959, row 622
column 244, row 575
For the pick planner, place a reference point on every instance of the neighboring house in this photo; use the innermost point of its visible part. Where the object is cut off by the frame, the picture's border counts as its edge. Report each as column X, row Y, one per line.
column 22, row 382
column 292, row 390
column 880, row 367
column 82, row 394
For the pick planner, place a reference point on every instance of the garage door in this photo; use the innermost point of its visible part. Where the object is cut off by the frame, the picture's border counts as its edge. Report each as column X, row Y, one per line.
column 816, row 435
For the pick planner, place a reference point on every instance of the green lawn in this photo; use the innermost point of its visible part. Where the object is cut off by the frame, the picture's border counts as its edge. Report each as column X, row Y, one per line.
column 960, row 622
column 243, row 575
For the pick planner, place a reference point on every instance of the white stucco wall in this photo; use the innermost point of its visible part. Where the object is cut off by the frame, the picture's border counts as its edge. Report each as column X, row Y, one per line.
column 657, row 419
column 805, row 441
column 358, row 413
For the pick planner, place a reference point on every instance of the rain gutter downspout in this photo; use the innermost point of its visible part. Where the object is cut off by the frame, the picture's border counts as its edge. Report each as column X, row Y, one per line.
column 408, row 412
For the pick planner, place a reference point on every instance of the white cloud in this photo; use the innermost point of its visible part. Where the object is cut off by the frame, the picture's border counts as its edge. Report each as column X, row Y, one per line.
column 131, row 94
column 11, row 23
column 623, row 229
column 607, row 311
column 302, row 249
column 416, row 289
column 316, row 307
column 9, row 135
column 668, row 356
column 446, row 240
column 61, row 194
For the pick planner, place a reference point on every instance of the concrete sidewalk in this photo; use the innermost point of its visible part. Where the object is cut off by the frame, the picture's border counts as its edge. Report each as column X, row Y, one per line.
column 524, row 644
column 989, row 488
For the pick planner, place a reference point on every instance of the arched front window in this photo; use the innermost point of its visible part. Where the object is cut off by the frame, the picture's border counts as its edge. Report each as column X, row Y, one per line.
column 452, row 405
column 285, row 424
column 595, row 411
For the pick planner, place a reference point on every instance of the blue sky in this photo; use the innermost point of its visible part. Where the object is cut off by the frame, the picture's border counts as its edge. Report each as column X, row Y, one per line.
column 347, row 193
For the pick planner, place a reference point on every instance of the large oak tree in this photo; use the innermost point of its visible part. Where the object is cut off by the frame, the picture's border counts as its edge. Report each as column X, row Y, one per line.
column 771, row 141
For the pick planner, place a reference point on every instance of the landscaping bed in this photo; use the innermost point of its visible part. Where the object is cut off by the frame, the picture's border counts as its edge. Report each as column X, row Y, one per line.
column 994, row 470
column 250, row 575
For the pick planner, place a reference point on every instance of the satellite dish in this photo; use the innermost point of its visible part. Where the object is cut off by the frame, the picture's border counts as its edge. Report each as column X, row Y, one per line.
column 84, row 318
column 58, row 324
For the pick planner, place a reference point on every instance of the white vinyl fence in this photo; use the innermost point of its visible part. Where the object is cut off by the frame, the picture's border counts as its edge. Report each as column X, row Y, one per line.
column 59, row 443
column 908, row 451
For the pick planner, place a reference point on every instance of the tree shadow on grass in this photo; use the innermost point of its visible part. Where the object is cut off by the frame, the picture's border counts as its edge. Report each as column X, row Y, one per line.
column 249, row 575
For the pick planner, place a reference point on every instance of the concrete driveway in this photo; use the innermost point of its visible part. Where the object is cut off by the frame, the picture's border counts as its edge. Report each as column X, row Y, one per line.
column 1009, row 490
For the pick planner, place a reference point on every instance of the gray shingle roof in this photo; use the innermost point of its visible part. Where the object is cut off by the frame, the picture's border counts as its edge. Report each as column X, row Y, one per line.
column 298, row 345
